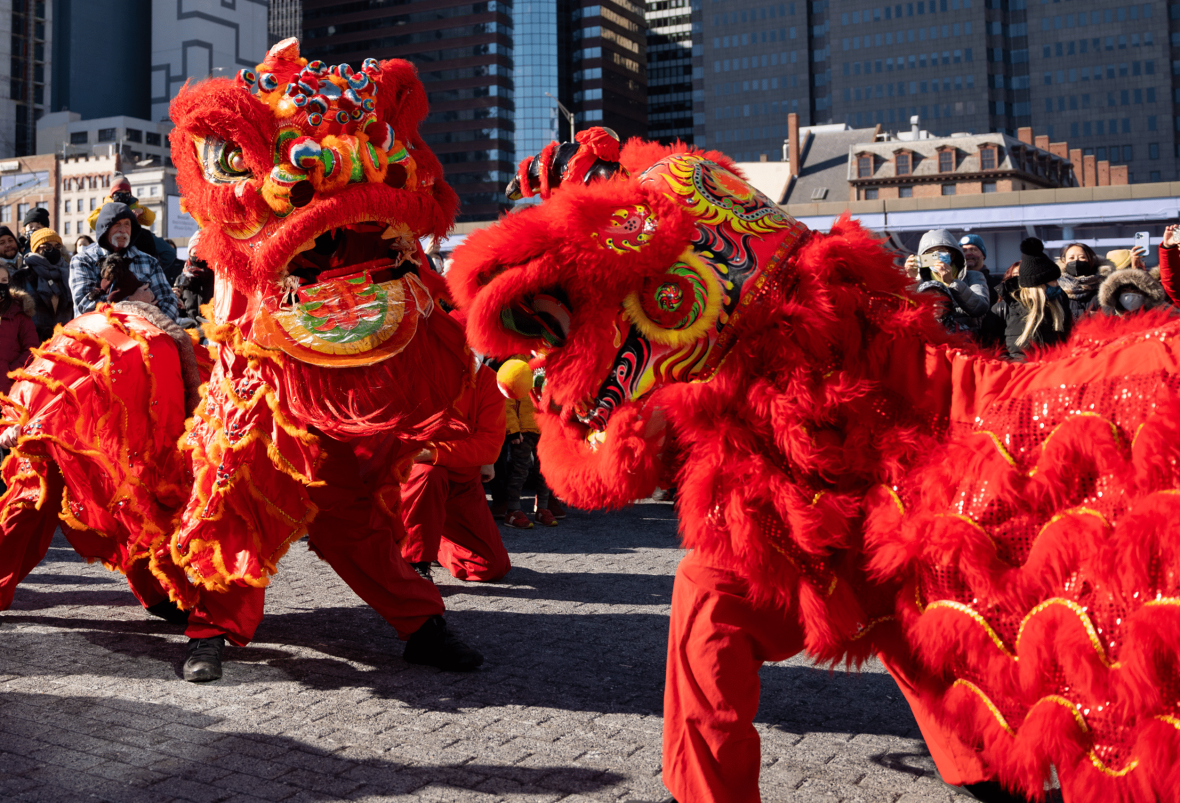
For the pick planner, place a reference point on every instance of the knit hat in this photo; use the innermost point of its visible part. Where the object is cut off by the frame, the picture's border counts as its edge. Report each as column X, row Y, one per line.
column 1121, row 259
column 118, row 179
column 42, row 236
column 1036, row 269
column 6, row 232
column 975, row 240
column 37, row 214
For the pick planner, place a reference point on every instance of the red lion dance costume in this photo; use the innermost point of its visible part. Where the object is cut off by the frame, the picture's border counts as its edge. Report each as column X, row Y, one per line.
column 851, row 481
column 312, row 187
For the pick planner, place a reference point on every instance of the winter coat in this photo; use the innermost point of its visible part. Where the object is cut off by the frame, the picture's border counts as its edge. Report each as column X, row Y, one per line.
column 194, row 286
column 17, row 335
column 1082, row 293
column 521, row 416
column 1130, row 279
column 1169, row 269
column 970, row 295
column 48, row 284
column 1045, row 335
column 991, row 329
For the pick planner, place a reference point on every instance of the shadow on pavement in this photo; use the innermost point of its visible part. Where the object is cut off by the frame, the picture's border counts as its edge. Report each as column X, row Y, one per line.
column 612, row 588
column 214, row 764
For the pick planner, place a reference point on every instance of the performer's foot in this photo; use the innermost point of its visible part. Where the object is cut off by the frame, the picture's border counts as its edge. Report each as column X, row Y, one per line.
column 993, row 792
column 169, row 612
column 422, row 567
column 518, row 519
column 204, row 659
column 434, row 645
column 557, row 508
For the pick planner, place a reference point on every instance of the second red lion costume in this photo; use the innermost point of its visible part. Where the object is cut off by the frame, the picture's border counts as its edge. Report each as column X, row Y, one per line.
column 850, row 481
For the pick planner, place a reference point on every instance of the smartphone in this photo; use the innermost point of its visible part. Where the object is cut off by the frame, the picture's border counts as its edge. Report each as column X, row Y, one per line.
column 1143, row 240
column 935, row 260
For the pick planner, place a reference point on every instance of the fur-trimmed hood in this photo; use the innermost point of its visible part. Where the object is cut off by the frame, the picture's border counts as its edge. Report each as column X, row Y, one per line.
column 24, row 299
column 1132, row 279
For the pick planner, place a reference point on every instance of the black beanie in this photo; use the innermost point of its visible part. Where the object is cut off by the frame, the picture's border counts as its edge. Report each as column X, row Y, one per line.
column 37, row 214
column 6, row 232
column 1036, row 269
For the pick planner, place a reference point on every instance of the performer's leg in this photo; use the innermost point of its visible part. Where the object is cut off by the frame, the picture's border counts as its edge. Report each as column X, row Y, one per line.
column 718, row 640
column 958, row 764
column 25, row 532
column 424, row 511
column 471, row 547
column 360, row 544
column 234, row 614
column 538, row 478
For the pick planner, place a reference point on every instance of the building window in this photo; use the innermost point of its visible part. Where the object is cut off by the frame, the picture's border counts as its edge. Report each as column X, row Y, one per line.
column 79, row 137
column 905, row 192
column 67, row 207
column 21, row 211
column 67, row 225
column 93, row 204
column 106, row 135
column 946, row 163
column 989, row 186
column 134, row 135
column 872, row 193
column 1153, row 150
column 904, row 166
column 152, row 138
column 987, row 159
column 948, row 189
column 864, row 166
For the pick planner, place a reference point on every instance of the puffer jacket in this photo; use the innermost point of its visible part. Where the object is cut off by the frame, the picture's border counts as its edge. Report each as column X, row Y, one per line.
column 49, row 286
column 1044, row 336
column 17, row 335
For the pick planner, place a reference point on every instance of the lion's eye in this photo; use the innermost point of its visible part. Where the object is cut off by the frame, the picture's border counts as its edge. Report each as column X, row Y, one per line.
column 222, row 162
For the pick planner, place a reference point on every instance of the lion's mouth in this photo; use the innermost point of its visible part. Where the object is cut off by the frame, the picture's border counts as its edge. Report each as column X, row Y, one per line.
column 383, row 251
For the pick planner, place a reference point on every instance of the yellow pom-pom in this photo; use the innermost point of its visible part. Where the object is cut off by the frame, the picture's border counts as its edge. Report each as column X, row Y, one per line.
column 515, row 379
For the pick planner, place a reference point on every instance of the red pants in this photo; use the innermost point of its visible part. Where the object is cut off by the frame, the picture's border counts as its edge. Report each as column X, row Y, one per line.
column 717, row 642
column 447, row 519
column 359, row 542
column 26, row 533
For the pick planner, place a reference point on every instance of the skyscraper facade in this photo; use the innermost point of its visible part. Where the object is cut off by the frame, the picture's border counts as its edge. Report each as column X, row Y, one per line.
column 608, row 63
column 25, row 41
column 284, row 20
column 538, row 85
column 670, row 69
column 1097, row 73
column 464, row 55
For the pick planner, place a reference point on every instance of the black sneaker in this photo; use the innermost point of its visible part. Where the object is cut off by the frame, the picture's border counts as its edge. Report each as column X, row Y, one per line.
column 434, row 645
column 169, row 612
column 203, row 662
column 422, row 567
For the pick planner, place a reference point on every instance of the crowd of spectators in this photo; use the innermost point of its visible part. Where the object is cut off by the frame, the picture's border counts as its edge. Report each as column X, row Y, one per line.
column 1038, row 299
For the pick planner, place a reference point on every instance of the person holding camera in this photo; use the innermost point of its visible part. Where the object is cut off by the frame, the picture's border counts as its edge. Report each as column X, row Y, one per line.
column 940, row 268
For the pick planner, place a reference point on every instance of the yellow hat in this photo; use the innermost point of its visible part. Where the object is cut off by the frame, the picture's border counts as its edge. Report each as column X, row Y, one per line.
column 42, row 236
column 1120, row 259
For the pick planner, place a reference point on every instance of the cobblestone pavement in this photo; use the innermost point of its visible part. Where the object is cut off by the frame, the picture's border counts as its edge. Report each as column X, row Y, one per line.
column 321, row 706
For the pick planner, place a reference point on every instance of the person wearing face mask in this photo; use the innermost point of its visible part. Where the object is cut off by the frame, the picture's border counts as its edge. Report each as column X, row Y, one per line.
column 35, row 219
column 18, row 335
column 966, row 289
column 117, row 229
column 1040, row 317
column 1081, row 274
column 10, row 256
column 1128, row 291
column 45, row 277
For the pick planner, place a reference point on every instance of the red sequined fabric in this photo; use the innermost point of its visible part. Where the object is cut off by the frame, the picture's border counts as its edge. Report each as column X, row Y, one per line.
column 1043, row 593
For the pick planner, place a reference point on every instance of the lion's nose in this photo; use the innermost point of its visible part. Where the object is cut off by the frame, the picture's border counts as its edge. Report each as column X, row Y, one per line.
column 302, row 193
